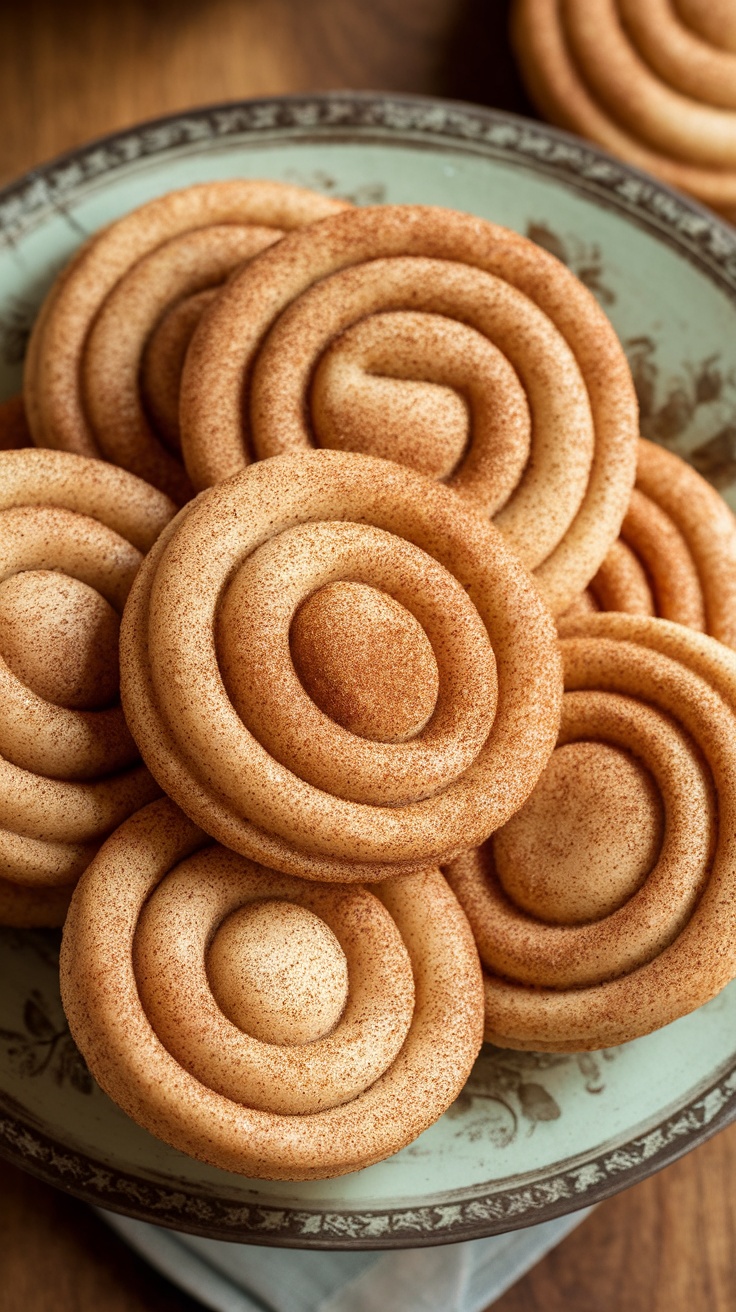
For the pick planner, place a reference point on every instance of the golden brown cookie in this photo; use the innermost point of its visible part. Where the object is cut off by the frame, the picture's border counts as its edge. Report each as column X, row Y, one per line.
column 269, row 1026
column 676, row 556
column 654, row 83
column 438, row 340
column 72, row 536
column 606, row 907
column 338, row 669
column 89, row 345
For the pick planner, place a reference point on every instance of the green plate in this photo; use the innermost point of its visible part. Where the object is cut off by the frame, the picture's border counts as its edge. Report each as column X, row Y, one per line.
column 532, row 1136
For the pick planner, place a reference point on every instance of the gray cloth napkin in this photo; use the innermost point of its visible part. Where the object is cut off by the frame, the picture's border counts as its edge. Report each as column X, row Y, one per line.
column 226, row 1277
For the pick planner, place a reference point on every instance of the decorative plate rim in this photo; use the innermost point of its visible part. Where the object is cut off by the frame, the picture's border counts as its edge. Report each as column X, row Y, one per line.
column 684, row 223
column 709, row 243
column 587, row 1180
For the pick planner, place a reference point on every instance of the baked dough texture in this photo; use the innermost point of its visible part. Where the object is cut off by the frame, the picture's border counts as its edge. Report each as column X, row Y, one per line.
column 676, row 555
column 72, row 536
column 653, row 82
column 270, row 1026
column 606, row 908
column 338, row 669
column 442, row 342
column 106, row 351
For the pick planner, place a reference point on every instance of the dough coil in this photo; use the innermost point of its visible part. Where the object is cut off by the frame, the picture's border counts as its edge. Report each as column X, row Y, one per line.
column 72, row 536
column 606, row 908
column 337, row 669
column 270, row 1026
column 654, row 83
column 437, row 340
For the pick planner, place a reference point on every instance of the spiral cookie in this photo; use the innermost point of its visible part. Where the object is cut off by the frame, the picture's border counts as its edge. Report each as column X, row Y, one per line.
column 277, row 1028
column 72, row 535
column 338, row 669
column 676, row 556
column 124, row 307
column 438, row 340
column 654, row 83
column 607, row 906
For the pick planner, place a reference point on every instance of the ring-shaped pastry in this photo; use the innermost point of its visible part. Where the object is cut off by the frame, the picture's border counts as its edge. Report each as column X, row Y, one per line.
column 373, row 1002
column 71, row 540
column 442, row 341
column 666, row 120
column 606, row 907
column 676, row 556
column 639, row 81
column 81, row 383
column 211, row 761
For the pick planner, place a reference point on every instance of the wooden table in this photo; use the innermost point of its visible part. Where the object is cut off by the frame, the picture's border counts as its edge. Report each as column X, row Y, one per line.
column 667, row 1245
column 72, row 71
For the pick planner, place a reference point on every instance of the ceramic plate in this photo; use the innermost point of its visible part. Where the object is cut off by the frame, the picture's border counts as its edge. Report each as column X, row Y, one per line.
column 532, row 1136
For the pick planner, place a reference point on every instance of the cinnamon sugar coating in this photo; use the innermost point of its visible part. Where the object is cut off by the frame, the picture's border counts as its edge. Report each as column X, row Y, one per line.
column 654, row 83
column 224, row 723
column 621, row 915
column 440, row 341
column 113, row 302
column 360, row 1038
column 72, row 536
column 676, row 556
column 365, row 660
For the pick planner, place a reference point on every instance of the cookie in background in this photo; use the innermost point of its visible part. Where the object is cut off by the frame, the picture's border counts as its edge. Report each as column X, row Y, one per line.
column 653, row 82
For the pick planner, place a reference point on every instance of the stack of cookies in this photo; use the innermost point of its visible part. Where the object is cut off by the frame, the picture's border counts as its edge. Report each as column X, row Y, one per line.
column 367, row 683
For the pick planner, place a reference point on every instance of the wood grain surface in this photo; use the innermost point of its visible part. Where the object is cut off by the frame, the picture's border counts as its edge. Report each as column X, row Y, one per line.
column 71, row 71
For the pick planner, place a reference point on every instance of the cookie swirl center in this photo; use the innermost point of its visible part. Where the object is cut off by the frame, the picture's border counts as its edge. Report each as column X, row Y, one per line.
column 586, row 839
column 366, row 661
column 278, row 972
column 59, row 636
